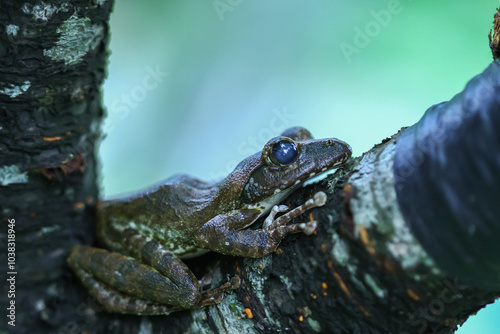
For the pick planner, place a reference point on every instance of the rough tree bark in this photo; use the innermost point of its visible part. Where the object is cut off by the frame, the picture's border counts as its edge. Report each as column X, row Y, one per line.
column 52, row 65
column 363, row 271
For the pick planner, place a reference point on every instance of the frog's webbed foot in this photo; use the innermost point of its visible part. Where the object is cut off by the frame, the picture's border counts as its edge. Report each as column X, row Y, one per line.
column 216, row 295
column 319, row 199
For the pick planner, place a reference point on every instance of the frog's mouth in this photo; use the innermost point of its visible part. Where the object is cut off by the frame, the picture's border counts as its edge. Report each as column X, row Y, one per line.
column 321, row 173
column 316, row 174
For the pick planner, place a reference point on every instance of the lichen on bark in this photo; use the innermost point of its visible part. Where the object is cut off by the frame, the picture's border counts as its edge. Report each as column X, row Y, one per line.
column 50, row 115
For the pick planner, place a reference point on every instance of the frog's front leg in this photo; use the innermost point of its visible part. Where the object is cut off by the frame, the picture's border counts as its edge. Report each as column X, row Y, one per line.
column 155, row 281
column 223, row 233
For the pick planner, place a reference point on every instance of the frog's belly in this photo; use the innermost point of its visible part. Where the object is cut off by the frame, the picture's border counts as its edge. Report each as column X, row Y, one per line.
column 184, row 249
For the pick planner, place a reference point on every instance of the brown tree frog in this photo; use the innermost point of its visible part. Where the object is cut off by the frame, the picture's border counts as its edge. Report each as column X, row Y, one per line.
column 146, row 235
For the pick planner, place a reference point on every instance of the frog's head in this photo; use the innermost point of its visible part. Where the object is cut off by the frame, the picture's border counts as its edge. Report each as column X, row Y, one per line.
column 290, row 159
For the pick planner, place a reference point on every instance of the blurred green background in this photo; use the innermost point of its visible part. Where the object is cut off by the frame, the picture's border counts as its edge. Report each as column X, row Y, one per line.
column 197, row 86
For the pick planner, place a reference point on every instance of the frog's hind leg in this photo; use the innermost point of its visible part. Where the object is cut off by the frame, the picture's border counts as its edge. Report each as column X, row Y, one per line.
column 124, row 285
column 115, row 301
column 155, row 255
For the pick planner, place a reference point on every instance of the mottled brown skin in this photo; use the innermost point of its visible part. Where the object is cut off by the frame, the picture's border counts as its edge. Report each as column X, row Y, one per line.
column 146, row 235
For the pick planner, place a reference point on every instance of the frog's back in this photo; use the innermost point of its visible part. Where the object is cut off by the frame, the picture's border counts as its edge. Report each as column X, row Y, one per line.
column 169, row 213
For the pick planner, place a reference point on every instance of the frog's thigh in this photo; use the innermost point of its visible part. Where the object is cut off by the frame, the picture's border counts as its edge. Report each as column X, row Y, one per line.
column 151, row 253
column 167, row 263
column 116, row 280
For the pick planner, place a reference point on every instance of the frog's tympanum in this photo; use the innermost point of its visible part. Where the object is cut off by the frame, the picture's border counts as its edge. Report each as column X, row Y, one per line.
column 145, row 236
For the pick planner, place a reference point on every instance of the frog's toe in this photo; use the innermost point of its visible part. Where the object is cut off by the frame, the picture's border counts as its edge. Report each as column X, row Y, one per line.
column 274, row 211
column 320, row 198
column 309, row 228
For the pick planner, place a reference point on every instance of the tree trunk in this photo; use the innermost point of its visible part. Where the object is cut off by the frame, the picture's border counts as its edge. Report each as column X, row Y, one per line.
column 52, row 64
column 365, row 269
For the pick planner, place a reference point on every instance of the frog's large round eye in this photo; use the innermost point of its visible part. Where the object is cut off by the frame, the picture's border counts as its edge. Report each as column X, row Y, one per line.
column 284, row 152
